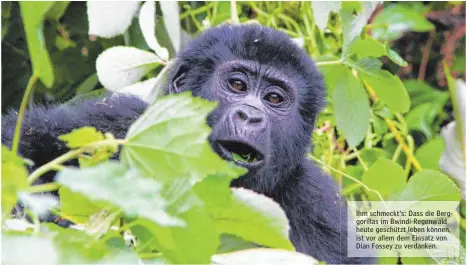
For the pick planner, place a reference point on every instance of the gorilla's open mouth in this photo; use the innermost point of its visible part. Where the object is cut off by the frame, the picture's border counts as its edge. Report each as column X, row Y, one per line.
column 240, row 152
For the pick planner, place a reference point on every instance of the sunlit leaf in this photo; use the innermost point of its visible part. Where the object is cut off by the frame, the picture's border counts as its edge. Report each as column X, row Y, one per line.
column 81, row 137
column 170, row 11
column 322, row 11
column 113, row 183
column 170, row 140
column 430, row 153
column 14, row 175
column 120, row 66
column 147, row 21
column 263, row 256
column 353, row 24
column 430, row 185
column 28, row 250
column 396, row 19
column 385, row 177
column 110, row 19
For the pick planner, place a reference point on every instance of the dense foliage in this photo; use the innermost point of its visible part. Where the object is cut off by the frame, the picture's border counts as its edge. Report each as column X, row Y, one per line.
column 379, row 135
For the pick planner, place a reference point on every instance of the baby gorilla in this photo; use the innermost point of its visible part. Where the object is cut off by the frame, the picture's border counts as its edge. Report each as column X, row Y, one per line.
column 269, row 93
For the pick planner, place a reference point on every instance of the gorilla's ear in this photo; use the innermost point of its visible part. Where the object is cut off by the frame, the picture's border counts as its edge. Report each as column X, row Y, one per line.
column 178, row 80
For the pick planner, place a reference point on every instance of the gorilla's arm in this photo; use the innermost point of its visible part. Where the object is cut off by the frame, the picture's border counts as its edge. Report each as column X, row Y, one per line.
column 42, row 125
column 317, row 215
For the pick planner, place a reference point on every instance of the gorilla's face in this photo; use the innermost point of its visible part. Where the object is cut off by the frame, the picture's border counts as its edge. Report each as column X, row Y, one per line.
column 255, row 102
column 269, row 92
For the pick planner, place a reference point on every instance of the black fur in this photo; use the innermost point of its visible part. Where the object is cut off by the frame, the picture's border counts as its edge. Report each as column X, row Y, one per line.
column 310, row 198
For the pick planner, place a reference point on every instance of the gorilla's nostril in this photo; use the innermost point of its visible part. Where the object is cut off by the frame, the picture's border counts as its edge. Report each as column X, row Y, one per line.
column 242, row 115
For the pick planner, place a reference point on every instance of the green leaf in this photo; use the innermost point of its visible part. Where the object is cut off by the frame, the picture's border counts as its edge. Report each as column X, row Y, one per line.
column 244, row 213
column 388, row 87
column 430, row 185
column 57, row 10
column 195, row 243
column 370, row 47
column 14, row 179
column 332, row 74
column 353, row 24
column 351, row 108
column 113, row 183
column 81, row 137
column 231, row 243
column 6, row 14
column 371, row 155
column 422, row 117
column 430, row 152
column 170, row 140
column 385, row 177
column 420, row 92
column 87, row 85
column 76, row 205
column 396, row 19
column 33, row 14
column 263, row 256
column 28, row 250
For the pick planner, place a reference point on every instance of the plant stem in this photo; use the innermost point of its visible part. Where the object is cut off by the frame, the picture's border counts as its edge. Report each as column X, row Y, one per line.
column 329, row 62
column 19, row 121
column 43, row 188
column 396, row 133
column 348, row 176
column 234, row 15
column 68, row 156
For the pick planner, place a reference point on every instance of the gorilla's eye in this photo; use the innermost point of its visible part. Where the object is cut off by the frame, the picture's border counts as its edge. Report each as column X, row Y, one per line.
column 274, row 98
column 238, row 85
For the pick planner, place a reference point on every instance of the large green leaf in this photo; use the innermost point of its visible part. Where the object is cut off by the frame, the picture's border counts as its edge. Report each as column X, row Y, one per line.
column 396, row 19
column 430, row 185
column 420, row 92
column 370, row 47
column 113, row 183
column 170, row 140
column 14, row 175
column 385, row 177
column 388, row 87
column 351, row 108
column 244, row 213
column 430, row 152
column 28, row 250
column 422, row 117
column 33, row 14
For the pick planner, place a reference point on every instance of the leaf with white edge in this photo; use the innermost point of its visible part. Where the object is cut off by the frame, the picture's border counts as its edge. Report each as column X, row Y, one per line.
column 169, row 140
column 322, row 10
column 353, row 24
column 39, row 204
column 352, row 109
column 430, row 185
column 244, row 213
column 452, row 159
column 121, row 66
column 28, row 250
column 110, row 19
column 170, row 11
column 386, row 177
column 263, row 256
column 113, row 183
column 81, row 137
column 389, row 88
column 147, row 21
column 159, row 83
column 141, row 89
